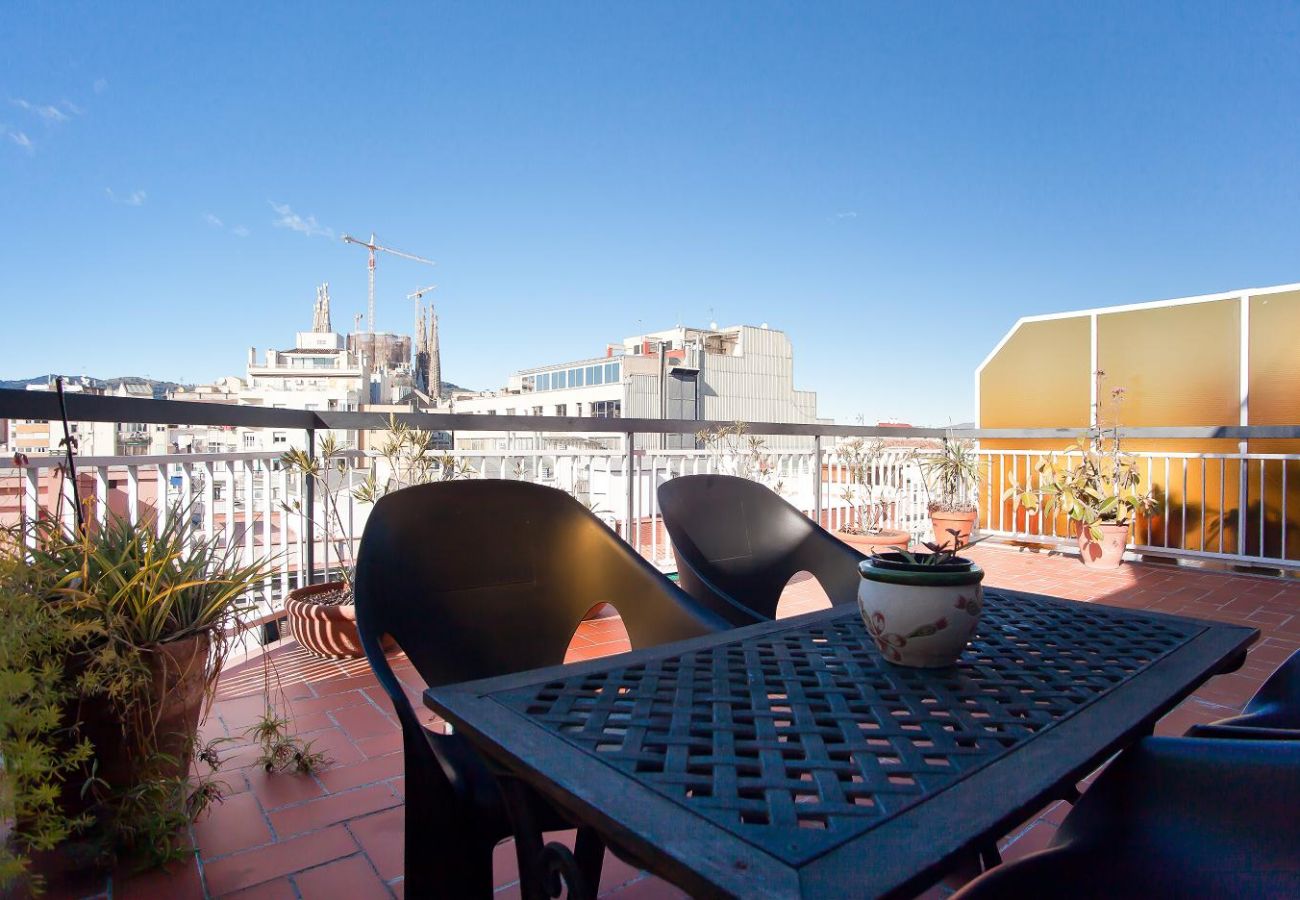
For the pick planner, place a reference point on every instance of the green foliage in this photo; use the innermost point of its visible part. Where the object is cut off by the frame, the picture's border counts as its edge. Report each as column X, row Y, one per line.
column 939, row 553
column 406, row 457
column 36, row 746
column 952, row 477
column 868, row 501
column 1093, row 483
column 282, row 751
column 82, row 615
column 737, row 452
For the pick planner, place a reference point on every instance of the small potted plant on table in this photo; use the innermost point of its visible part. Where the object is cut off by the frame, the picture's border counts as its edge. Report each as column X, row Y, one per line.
column 952, row 482
column 869, row 503
column 921, row 609
column 1096, row 485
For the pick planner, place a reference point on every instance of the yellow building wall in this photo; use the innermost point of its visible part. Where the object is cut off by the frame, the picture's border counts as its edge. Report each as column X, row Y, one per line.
column 1038, row 379
column 1179, row 365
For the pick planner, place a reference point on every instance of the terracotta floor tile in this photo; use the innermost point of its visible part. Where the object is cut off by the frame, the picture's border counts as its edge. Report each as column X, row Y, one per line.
column 253, row 867
column 381, row 836
column 352, row 878
column 279, row 889
column 370, row 771
column 282, row 788
column 237, row 823
column 364, row 721
column 332, row 808
column 381, row 745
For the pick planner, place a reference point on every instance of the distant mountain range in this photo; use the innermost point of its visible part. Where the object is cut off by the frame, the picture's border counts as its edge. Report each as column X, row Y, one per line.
column 160, row 388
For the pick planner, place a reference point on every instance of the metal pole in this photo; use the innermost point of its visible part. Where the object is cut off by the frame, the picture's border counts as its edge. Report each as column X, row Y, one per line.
column 309, row 492
column 817, row 479
column 631, row 443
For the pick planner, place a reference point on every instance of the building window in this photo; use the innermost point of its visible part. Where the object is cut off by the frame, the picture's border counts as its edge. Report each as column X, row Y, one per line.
column 607, row 409
column 510, row 412
column 280, row 437
column 537, row 410
column 544, row 381
column 575, row 377
column 611, row 372
column 595, row 374
column 561, row 409
column 250, row 441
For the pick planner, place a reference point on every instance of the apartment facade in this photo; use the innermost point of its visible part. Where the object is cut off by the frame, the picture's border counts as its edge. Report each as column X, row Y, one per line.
column 738, row 373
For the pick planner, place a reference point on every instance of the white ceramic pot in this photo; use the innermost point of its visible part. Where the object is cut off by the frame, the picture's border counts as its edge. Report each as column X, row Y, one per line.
column 920, row 616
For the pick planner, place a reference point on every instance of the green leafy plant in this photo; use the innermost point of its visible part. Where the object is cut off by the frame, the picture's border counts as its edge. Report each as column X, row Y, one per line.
column 737, row 452
column 406, row 457
column 940, row 554
column 1093, row 482
column 89, row 623
column 952, row 477
column 868, row 502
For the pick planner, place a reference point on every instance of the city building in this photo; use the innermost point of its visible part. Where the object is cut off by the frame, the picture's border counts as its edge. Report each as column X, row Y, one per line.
column 738, row 373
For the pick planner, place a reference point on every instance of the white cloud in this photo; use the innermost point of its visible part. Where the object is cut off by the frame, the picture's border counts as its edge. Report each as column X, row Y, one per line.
column 294, row 222
column 18, row 137
column 213, row 220
column 135, row 198
column 846, row 215
column 239, row 231
column 101, row 85
column 51, row 114
column 74, row 108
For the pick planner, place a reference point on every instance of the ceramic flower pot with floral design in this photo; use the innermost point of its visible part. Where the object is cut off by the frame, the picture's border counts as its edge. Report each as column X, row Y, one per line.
column 920, row 615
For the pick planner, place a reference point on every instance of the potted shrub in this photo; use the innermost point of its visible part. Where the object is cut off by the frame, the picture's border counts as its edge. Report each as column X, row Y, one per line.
column 322, row 617
column 111, row 639
column 952, row 484
column 869, row 503
column 1096, row 485
column 921, row 609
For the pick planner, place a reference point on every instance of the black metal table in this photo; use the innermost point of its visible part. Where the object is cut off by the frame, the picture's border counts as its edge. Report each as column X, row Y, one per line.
column 788, row 759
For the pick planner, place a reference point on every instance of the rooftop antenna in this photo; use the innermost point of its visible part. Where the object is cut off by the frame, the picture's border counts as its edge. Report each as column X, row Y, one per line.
column 372, row 247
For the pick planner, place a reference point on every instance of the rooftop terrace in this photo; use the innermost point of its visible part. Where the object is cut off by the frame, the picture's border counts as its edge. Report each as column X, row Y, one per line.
column 339, row 833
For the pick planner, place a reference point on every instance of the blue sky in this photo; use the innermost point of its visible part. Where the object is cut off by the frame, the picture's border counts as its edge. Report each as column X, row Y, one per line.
column 892, row 184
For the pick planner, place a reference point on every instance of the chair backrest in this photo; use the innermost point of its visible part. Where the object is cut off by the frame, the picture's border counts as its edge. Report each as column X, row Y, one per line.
column 485, row 577
column 738, row 544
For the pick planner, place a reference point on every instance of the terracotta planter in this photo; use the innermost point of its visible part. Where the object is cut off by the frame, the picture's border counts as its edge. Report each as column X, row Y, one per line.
column 920, row 616
column 1107, row 553
column 878, row 542
column 179, row 675
column 963, row 521
column 329, row 632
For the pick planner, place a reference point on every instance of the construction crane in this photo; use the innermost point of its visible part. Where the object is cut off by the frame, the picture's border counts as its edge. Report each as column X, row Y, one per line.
column 417, row 296
column 372, row 247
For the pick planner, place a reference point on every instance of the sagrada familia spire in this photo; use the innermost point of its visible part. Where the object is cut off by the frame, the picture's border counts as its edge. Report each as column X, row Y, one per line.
column 428, row 362
column 320, row 320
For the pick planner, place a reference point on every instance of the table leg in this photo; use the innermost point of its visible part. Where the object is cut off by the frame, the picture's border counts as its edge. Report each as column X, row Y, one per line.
column 547, row 870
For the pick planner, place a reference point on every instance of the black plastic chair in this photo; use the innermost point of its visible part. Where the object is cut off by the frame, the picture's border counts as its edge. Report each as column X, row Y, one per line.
column 737, row 545
column 1272, row 714
column 1172, row 817
column 481, row 578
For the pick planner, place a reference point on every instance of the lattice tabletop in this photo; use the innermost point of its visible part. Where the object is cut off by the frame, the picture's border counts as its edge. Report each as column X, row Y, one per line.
column 801, row 739
column 788, row 759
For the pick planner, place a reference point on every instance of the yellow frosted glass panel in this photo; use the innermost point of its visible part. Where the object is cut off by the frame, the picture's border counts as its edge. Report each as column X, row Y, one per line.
column 1039, row 379
column 1179, row 365
column 1275, row 359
